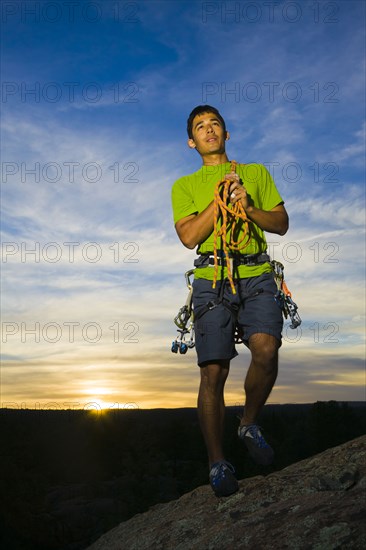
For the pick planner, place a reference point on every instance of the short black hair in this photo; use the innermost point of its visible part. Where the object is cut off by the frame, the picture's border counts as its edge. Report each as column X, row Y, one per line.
column 199, row 110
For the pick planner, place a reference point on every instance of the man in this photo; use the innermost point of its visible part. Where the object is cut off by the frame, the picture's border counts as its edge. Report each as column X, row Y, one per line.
column 219, row 311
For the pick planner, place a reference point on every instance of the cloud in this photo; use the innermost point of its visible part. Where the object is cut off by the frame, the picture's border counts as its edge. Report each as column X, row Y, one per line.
column 354, row 151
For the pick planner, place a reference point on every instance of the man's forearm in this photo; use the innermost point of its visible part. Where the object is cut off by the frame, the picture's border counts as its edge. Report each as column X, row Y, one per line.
column 272, row 221
column 197, row 228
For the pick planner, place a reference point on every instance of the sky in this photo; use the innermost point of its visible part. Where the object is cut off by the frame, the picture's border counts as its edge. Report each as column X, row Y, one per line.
column 94, row 102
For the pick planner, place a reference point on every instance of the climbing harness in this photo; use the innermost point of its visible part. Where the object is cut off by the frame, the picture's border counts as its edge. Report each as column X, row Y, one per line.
column 207, row 259
column 283, row 296
column 184, row 321
column 230, row 217
column 233, row 308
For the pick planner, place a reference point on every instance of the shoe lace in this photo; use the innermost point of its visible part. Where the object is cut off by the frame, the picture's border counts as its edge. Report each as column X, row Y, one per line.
column 218, row 471
column 255, row 432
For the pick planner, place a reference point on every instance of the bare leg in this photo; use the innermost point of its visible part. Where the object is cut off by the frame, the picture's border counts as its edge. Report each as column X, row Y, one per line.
column 261, row 375
column 211, row 407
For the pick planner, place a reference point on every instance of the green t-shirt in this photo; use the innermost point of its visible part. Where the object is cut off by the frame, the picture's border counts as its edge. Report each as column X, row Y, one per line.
column 193, row 193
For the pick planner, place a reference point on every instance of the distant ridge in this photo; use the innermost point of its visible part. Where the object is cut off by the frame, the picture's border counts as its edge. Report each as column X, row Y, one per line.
column 167, row 409
column 317, row 503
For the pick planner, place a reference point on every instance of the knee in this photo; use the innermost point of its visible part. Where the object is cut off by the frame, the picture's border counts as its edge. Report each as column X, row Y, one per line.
column 213, row 377
column 265, row 351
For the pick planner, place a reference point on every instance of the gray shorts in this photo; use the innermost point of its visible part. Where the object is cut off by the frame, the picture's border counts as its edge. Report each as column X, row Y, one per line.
column 252, row 309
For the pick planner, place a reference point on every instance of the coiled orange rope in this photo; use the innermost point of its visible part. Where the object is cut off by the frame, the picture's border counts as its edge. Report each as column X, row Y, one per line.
column 230, row 216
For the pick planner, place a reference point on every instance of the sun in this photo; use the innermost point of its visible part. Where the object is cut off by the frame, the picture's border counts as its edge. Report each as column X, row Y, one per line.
column 94, row 399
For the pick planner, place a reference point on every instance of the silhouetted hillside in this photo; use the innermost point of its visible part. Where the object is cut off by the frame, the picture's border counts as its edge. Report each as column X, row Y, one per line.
column 69, row 476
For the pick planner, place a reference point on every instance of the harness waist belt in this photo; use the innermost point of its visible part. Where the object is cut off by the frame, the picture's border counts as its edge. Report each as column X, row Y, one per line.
column 205, row 260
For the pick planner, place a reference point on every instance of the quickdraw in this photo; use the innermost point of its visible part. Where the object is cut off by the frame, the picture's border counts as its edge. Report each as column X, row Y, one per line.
column 184, row 322
column 230, row 217
column 283, row 296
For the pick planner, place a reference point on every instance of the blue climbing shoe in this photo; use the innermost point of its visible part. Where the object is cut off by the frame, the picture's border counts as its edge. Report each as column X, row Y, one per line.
column 222, row 479
column 257, row 446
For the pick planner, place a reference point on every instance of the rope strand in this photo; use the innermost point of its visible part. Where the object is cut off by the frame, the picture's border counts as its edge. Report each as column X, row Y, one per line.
column 230, row 217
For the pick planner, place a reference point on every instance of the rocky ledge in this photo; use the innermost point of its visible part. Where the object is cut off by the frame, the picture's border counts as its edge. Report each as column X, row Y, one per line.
column 318, row 503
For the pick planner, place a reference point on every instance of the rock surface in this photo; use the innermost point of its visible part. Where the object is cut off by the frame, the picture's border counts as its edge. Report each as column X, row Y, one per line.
column 318, row 503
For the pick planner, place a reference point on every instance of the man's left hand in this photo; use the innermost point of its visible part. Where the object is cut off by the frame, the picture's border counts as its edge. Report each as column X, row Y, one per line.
column 237, row 191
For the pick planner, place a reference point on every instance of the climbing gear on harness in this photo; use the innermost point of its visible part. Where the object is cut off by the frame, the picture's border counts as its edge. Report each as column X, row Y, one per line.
column 184, row 318
column 207, row 259
column 230, row 217
column 283, row 296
